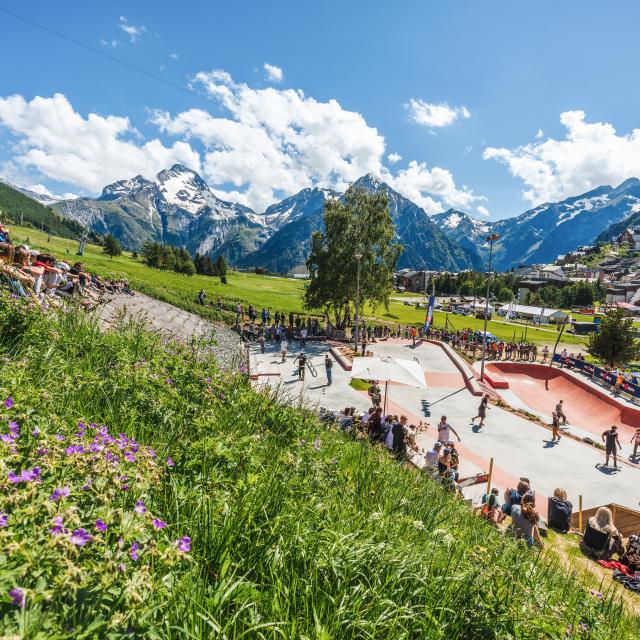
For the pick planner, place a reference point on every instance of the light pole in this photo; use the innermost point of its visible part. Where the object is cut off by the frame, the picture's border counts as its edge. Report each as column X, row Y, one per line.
column 358, row 258
column 490, row 239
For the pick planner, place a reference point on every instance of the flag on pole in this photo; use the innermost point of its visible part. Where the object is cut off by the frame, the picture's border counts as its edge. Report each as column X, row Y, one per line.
column 429, row 318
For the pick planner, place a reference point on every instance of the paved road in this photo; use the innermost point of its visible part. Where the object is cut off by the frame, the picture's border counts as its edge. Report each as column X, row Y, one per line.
column 519, row 447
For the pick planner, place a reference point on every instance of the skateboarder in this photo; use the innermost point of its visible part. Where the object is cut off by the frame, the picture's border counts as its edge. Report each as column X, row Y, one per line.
column 560, row 413
column 612, row 444
column 482, row 411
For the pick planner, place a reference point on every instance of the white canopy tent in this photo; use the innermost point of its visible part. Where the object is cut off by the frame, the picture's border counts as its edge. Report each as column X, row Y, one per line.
column 389, row 369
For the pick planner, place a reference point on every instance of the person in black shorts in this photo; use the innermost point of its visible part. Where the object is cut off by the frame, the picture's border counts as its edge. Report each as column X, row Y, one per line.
column 612, row 444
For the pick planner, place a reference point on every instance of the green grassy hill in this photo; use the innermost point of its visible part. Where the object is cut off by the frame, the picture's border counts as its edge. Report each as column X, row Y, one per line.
column 218, row 512
column 15, row 206
column 276, row 293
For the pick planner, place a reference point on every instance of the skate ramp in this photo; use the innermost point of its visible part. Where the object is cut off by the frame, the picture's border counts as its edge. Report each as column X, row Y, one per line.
column 585, row 406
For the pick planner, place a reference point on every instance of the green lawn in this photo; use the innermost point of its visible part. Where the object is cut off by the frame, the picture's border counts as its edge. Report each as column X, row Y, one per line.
column 276, row 293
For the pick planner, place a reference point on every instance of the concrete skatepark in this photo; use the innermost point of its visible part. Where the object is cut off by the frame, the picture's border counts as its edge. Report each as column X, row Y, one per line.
column 519, row 447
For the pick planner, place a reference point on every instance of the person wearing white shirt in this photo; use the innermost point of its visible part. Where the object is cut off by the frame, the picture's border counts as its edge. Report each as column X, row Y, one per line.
column 444, row 429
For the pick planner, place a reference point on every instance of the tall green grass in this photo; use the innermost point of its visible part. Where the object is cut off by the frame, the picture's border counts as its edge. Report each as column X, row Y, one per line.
column 298, row 531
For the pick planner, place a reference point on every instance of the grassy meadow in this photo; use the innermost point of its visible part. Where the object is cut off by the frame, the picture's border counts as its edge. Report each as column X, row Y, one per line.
column 275, row 293
column 146, row 494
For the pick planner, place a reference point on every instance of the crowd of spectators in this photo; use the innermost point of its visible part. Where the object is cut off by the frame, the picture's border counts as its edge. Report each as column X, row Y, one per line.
column 46, row 279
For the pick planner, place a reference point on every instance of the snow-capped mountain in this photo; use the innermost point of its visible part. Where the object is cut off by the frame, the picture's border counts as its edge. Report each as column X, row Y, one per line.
column 178, row 208
column 425, row 245
column 297, row 206
column 543, row 233
column 467, row 231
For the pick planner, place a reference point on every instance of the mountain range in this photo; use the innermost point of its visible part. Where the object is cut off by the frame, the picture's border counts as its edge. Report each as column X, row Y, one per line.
column 179, row 208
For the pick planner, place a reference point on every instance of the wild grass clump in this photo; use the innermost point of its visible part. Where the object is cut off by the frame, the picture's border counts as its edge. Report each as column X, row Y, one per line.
column 296, row 530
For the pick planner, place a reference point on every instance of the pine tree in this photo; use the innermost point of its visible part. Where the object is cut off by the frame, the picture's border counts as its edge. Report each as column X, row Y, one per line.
column 111, row 246
column 221, row 266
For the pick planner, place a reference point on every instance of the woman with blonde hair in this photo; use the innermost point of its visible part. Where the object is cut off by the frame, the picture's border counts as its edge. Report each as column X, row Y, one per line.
column 601, row 539
column 560, row 511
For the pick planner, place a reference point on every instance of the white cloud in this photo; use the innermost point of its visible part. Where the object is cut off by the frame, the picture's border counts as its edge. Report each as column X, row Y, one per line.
column 394, row 157
column 434, row 115
column 173, row 56
column 274, row 74
column 418, row 183
column 259, row 146
column 134, row 32
column 483, row 211
column 60, row 144
column 539, row 134
column 590, row 155
column 42, row 190
column 110, row 43
column 274, row 141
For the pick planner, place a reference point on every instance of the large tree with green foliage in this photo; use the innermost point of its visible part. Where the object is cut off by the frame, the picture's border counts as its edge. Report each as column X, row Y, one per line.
column 358, row 223
column 615, row 343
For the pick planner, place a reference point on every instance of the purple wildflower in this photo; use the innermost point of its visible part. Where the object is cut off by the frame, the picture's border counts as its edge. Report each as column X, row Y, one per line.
column 59, row 437
column 36, row 432
column 169, row 381
column 58, row 526
column 14, row 427
column 125, row 487
column 7, row 439
column 122, row 568
column 59, row 494
column 151, row 452
column 140, row 507
column 4, row 519
column 42, row 451
column 29, row 475
column 316, row 443
column 80, row 537
column 129, row 457
column 159, row 524
column 101, row 525
column 12, row 477
column 170, row 462
column 8, row 403
column 134, row 551
column 184, row 544
column 74, row 448
column 87, row 485
column 17, row 596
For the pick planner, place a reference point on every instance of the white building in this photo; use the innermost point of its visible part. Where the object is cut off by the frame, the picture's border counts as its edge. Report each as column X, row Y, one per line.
column 538, row 315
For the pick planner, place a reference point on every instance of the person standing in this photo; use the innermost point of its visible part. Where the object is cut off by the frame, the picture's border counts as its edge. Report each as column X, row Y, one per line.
column 261, row 341
column 364, row 345
column 444, row 429
column 284, row 345
column 374, row 393
column 201, row 296
column 302, row 363
column 555, row 427
column 612, row 444
column 635, row 440
column 482, row 411
column 303, row 336
column 328, row 365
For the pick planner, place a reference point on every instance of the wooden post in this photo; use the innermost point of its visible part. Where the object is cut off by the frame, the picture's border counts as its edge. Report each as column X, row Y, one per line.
column 580, row 513
column 489, row 476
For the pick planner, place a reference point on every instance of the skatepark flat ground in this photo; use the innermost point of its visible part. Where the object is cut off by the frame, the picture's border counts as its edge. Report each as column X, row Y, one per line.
column 519, row 447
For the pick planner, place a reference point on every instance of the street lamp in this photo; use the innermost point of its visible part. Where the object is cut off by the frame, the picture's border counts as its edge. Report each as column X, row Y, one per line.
column 490, row 239
column 358, row 258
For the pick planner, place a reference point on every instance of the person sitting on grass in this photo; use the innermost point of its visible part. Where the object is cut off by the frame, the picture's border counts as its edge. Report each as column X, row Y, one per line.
column 491, row 507
column 631, row 555
column 7, row 250
column 525, row 519
column 601, row 539
column 560, row 511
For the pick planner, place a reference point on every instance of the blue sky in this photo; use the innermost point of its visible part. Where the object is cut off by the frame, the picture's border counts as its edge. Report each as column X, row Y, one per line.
column 493, row 106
